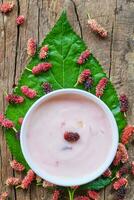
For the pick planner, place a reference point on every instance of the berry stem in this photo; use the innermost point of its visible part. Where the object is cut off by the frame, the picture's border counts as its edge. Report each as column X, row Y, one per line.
column 14, row 129
column 125, row 114
column 76, row 84
column 89, row 17
column 5, row 93
column 28, row 69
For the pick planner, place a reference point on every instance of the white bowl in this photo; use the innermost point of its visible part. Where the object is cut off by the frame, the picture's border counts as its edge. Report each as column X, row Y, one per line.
column 82, row 180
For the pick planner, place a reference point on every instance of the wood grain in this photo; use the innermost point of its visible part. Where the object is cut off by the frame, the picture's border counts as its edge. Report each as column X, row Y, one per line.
column 116, row 54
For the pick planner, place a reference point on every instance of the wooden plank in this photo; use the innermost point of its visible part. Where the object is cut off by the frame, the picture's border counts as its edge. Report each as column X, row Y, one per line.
column 7, row 62
column 122, row 67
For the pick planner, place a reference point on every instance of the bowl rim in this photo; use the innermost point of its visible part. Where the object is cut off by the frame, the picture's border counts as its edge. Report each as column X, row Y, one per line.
column 74, row 181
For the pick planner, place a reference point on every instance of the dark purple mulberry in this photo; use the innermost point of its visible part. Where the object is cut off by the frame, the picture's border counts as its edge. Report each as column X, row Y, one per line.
column 88, row 83
column 47, row 87
column 123, row 103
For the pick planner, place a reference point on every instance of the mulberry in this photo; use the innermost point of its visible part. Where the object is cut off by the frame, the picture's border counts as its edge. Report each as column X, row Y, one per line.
column 20, row 20
column 81, row 198
column 7, row 123
column 107, row 173
column 119, row 183
column 122, row 171
column 47, row 87
column 43, row 52
column 26, row 182
column 56, row 195
column 12, row 181
column 38, row 179
column 28, row 92
column 83, row 57
column 71, row 136
column 42, row 67
column 47, row 184
column 121, row 192
column 31, row 47
column 88, row 83
column 132, row 168
column 121, row 155
column 4, row 196
column 6, row 7
column 17, row 166
column 97, row 28
column 14, row 99
column 2, row 117
column 101, row 86
column 123, row 103
column 75, row 187
column 20, row 120
column 84, row 76
column 93, row 195
column 127, row 133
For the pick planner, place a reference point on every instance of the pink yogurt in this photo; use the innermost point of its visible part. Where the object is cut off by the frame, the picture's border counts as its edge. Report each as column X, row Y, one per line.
column 54, row 158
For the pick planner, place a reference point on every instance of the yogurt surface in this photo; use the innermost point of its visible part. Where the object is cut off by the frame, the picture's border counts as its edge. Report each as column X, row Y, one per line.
column 44, row 136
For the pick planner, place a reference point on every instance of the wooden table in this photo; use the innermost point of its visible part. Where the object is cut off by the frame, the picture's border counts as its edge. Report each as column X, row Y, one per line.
column 116, row 54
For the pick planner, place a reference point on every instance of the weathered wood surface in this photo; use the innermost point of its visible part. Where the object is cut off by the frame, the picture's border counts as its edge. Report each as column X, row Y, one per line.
column 115, row 53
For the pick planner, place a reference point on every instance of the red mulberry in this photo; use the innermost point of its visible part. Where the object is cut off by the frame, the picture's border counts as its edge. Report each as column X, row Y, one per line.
column 81, row 198
column 119, row 183
column 2, row 117
column 17, row 166
column 6, row 7
column 47, row 184
column 71, row 136
column 56, row 195
column 47, row 87
column 101, row 86
column 31, row 47
column 107, row 173
column 93, row 195
column 20, row 20
column 28, row 92
column 84, row 76
column 43, row 52
column 97, row 28
column 132, row 168
column 20, row 120
column 83, row 57
column 26, row 182
column 7, row 123
column 121, row 155
column 127, row 133
column 42, row 67
column 14, row 99
column 12, row 181
column 4, row 196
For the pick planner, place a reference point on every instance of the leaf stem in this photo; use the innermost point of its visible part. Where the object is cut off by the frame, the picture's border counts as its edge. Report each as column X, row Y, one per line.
column 71, row 194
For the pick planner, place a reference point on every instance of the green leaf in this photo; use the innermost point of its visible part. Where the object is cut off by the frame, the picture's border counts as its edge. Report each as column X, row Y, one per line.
column 65, row 46
column 97, row 184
